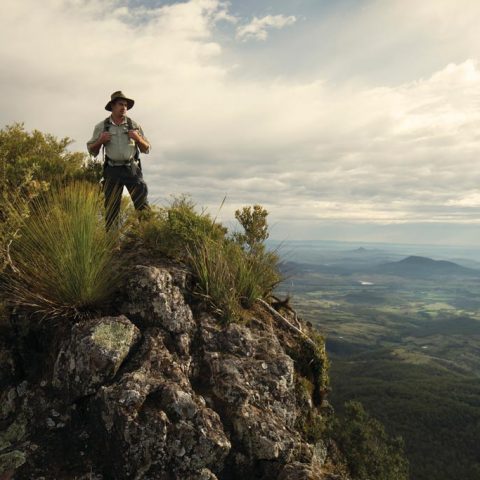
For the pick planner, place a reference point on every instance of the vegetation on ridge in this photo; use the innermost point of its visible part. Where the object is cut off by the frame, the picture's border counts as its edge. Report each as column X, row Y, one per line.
column 61, row 261
column 231, row 271
column 30, row 162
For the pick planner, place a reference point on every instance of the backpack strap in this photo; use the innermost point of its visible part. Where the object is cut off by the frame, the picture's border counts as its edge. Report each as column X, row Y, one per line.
column 137, row 150
column 106, row 128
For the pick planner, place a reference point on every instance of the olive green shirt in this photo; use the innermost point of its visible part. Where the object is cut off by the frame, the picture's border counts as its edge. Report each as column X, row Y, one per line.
column 120, row 149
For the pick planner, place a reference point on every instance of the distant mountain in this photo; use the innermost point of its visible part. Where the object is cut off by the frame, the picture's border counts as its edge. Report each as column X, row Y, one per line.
column 339, row 262
column 360, row 250
column 413, row 266
column 424, row 267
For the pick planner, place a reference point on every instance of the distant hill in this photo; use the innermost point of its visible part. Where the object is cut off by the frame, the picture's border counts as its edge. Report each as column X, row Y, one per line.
column 413, row 266
column 424, row 267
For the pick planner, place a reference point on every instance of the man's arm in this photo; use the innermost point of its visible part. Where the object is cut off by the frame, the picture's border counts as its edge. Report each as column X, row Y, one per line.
column 94, row 148
column 98, row 139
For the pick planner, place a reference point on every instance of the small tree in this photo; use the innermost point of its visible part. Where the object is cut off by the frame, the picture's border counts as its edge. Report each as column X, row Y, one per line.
column 255, row 226
column 262, row 264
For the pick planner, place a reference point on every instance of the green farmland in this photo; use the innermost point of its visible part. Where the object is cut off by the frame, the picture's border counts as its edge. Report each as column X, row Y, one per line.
column 408, row 348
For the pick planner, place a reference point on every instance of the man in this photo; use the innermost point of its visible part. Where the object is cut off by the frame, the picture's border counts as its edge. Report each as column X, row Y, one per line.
column 122, row 139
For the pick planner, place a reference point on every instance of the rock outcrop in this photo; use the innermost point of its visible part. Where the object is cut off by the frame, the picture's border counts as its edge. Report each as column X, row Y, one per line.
column 159, row 392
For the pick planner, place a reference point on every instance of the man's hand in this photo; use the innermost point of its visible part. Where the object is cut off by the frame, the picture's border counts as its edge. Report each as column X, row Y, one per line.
column 105, row 137
column 135, row 135
column 142, row 144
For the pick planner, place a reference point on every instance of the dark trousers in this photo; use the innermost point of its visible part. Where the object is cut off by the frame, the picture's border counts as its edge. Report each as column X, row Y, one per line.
column 115, row 178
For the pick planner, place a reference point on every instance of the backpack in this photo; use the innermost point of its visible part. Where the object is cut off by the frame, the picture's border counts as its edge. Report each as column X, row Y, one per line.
column 136, row 156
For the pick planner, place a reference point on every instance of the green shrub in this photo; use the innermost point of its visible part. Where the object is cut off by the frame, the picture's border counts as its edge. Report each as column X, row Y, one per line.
column 64, row 259
column 30, row 159
column 230, row 274
column 30, row 162
column 188, row 228
column 173, row 231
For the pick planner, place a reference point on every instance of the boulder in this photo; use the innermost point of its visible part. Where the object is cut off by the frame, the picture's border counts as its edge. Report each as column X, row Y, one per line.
column 152, row 298
column 93, row 354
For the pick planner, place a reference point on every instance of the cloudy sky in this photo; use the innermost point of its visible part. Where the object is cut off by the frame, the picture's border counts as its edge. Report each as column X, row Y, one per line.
column 346, row 119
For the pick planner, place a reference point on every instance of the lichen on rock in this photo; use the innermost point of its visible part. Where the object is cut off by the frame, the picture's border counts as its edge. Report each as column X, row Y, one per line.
column 114, row 336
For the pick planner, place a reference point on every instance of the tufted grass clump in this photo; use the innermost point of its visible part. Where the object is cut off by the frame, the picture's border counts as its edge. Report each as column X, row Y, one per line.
column 212, row 265
column 64, row 261
column 230, row 279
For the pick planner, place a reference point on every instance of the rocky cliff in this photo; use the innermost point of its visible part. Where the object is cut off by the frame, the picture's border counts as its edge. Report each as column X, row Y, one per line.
column 159, row 389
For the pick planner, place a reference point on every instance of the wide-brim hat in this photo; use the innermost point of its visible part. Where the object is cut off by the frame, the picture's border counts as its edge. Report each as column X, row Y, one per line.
column 115, row 96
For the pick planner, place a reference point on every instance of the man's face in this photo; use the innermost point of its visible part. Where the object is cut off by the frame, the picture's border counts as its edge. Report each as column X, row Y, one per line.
column 119, row 108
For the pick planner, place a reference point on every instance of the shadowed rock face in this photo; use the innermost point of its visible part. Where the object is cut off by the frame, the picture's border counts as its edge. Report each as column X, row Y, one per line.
column 153, row 422
column 253, row 379
column 158, row 393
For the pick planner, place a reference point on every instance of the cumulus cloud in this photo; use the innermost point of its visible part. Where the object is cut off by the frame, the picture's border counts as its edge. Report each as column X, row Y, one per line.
column 308, row 149
column 258, row 28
